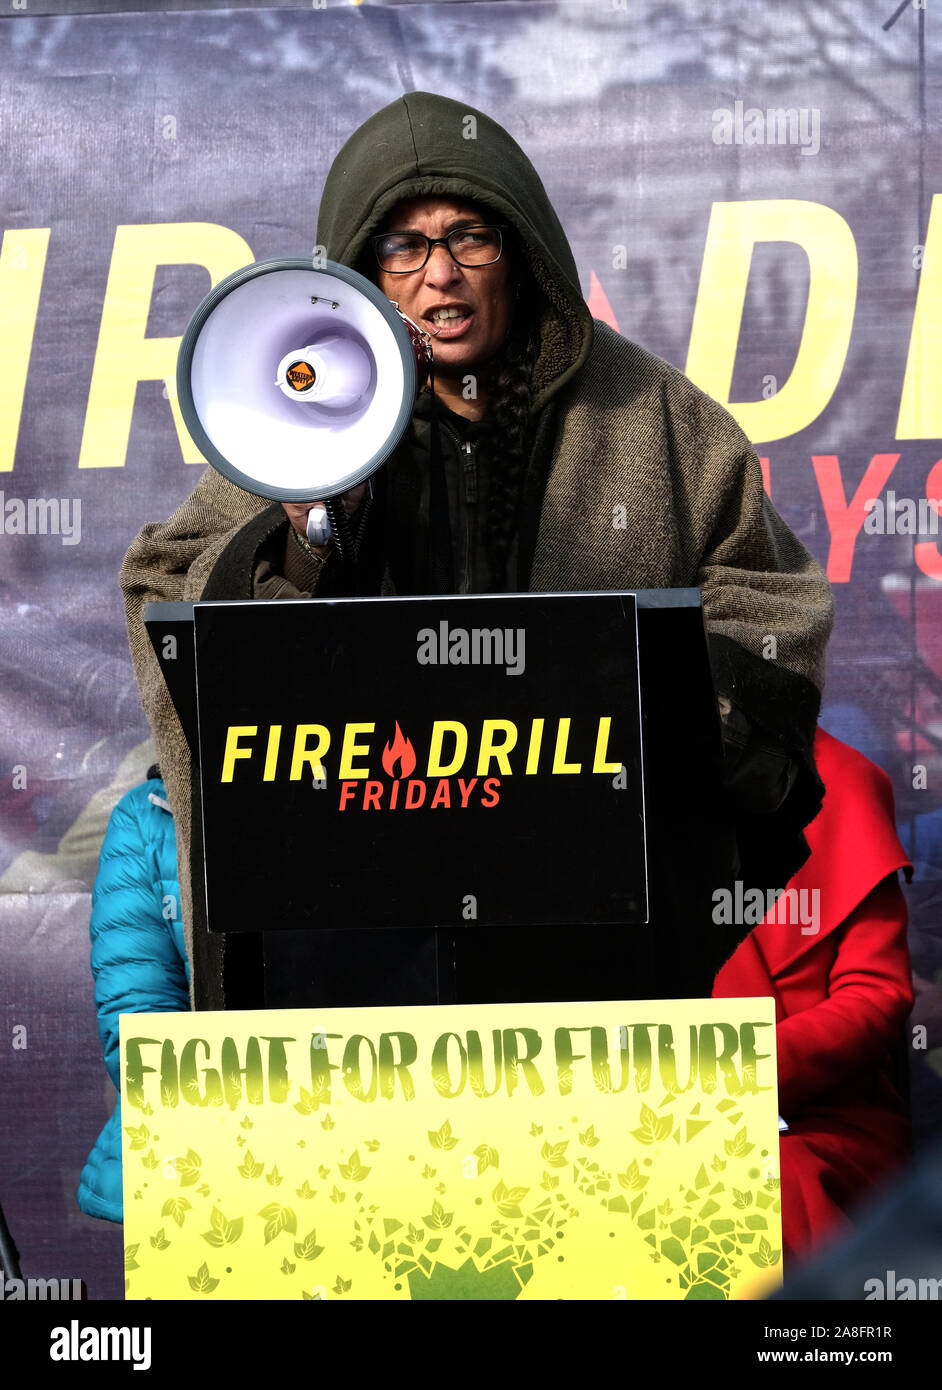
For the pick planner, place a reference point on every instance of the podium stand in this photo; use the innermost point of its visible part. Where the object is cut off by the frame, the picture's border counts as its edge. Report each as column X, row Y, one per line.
column 446, row 842
column 561, row 829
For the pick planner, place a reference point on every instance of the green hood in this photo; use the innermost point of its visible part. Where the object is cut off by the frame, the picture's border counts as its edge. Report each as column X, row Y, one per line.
column 419, row 145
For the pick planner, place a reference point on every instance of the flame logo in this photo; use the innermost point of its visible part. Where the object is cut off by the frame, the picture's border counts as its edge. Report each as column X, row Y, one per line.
column 401, row 751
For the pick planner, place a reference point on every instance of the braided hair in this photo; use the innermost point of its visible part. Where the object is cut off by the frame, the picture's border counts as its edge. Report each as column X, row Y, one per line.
column 504, row 444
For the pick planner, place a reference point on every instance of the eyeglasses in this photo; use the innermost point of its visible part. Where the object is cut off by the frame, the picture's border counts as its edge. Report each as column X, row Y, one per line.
column 399, row 253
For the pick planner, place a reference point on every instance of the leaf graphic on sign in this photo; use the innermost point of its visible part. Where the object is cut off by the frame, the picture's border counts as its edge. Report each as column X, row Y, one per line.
column 159, row 1241
column 555, row 1154
column 442, row 1138
column 765, row 1255
column 737, row 1146
column 337, row 1195
column 508, row 1199
column 277, row 1219
column 549, row 1182
column 274, row 1177
column 129, row 1261
column 139, row 1136
column 632, row 1178
column 305, row 1190
column 486, row 1157
column 415, row 1234
column 151, row 1160
column 342, row 1285
column 250, row 1169
column 189, row 1168
column 439, row 1218
column 223, row 1232
column 200, row 1282
column 307, row 1103
column 536, row 1129
column 308, row 1249
column 741, row 1199
column 287, row 1267
column 176, row 1208
column 353, row 1171
column 653, row 1126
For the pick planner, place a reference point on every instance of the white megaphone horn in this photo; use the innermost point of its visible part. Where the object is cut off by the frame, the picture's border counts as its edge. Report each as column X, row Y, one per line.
column 298, row 383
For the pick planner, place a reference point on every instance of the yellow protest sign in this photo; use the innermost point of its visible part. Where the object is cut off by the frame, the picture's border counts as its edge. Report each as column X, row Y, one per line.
column 582, row 1150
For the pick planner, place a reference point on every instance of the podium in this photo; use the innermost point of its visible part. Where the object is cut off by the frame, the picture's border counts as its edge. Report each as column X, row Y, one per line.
column 462, row 854
column 453, row 800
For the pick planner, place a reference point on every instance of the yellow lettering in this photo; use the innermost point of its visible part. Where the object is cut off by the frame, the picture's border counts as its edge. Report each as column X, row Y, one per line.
column 536, row 741
column 920, row 407
column 22, row 262
column 828, row 242
column 436, row 768
column 489, row 751
column 233, row 733
column 271, row 753
column 125, row 355
column 350, row 750
column 562, row 744
column 601, row 746
column 302, row 754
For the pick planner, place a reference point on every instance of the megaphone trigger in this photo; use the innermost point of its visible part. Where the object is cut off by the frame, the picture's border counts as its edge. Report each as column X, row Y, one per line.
column 318, row 525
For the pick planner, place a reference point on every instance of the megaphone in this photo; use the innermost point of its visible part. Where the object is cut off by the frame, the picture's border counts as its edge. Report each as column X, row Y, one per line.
column 298, row 382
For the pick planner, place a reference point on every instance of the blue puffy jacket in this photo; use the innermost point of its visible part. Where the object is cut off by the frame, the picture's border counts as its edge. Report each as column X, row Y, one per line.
column 138, row 956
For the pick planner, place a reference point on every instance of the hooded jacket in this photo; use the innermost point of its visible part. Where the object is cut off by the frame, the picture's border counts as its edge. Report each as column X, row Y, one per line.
column 635, row 479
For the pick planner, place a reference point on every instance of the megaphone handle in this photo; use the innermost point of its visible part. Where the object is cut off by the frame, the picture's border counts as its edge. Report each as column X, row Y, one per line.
column 340, row 528
column 364, row 516
column 347, row 543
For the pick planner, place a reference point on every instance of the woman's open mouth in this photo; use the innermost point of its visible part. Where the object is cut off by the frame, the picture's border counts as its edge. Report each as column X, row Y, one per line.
column 449, row 323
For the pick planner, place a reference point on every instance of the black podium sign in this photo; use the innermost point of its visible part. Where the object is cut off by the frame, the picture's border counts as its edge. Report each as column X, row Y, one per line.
column 432, row 762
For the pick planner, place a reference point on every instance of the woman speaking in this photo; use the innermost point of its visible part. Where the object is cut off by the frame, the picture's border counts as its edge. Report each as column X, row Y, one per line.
column 553, row 455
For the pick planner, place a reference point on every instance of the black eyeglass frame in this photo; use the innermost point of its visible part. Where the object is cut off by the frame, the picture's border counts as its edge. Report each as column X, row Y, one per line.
column 432, row 242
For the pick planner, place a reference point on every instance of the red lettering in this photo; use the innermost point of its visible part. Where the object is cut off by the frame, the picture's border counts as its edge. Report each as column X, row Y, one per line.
column 491, row 789
column 419, row 788
column 466, row 788
column 846, row 518
column 766, row 476
column 372, row 791
column 926, row 553
column 442, row 795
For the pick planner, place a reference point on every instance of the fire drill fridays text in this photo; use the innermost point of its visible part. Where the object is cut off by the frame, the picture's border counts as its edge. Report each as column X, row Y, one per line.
column 257, row 1071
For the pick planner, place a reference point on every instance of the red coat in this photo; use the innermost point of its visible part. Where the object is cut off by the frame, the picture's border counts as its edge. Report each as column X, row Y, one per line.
column 842, row 997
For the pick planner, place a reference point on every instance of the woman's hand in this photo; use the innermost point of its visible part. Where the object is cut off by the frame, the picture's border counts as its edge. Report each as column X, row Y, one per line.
column 298, row 513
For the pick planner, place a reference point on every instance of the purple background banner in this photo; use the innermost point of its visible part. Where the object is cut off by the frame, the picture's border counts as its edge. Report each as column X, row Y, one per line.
column 116, row 122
